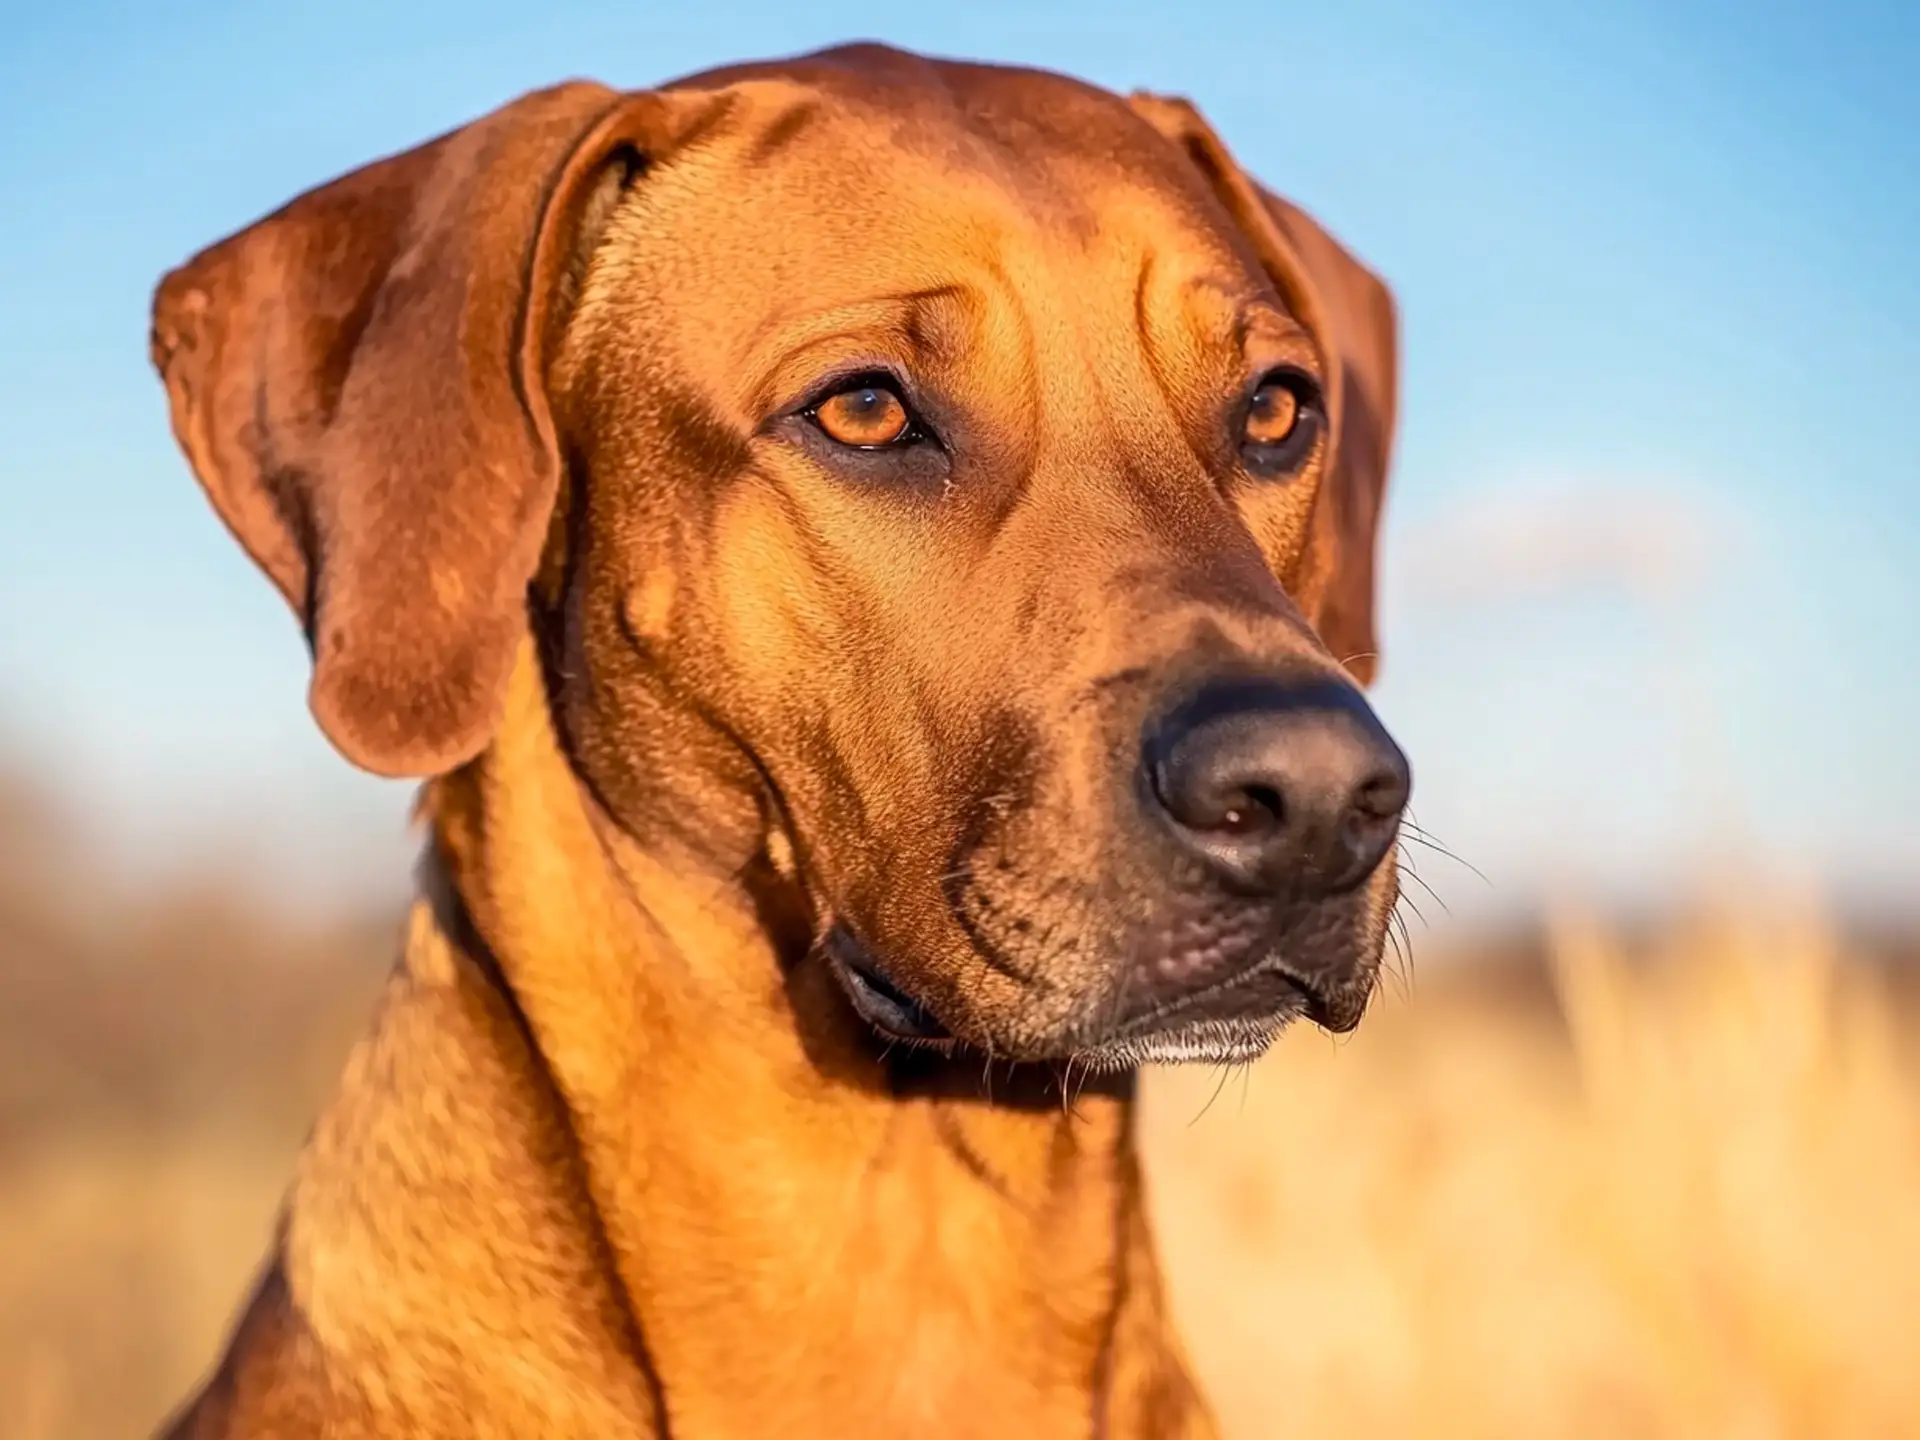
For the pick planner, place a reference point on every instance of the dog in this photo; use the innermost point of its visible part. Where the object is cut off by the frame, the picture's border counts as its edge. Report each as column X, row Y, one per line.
column 873, row 560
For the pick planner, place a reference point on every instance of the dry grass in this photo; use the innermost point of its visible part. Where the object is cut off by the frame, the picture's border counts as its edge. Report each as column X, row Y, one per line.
column 1689, row 1208
column 120, row 1265
column 1683, row 1201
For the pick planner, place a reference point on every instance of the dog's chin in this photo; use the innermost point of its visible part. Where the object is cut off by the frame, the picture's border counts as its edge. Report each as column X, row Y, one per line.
column 1198, row 1042
column 1232, row 1023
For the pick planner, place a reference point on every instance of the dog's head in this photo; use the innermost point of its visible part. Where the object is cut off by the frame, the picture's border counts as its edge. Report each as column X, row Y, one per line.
column 959, row 483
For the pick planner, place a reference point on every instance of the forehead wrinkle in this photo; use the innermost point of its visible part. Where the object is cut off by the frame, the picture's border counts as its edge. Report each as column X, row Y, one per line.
column 890, row 310
column 1025, row 395
column 914, row 322
column 1144, row 327
column 1202, row 341
column 1239, row 318
column 1277, row 334
column 1028, row 342
column 780, row 130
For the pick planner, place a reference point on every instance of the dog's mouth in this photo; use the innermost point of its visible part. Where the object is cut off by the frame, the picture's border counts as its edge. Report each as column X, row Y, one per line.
column 1229, row 1023
column 1266, row 995
column 1233, row 1022
column 877, row 1000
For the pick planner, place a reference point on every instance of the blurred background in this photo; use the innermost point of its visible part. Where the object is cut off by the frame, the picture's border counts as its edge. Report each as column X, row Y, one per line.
column 1632, row 1146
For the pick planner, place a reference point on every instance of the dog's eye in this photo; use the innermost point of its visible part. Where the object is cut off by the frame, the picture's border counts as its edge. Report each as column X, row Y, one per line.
column 1282, row 422
column 1272, row 416
column 866, row 416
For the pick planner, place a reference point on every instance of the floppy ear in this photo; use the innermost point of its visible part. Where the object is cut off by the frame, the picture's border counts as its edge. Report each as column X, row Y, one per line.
column 359, row 383
column 1350, row 314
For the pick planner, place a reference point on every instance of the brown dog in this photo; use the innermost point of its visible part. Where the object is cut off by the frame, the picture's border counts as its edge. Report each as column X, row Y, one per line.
column 865, row 549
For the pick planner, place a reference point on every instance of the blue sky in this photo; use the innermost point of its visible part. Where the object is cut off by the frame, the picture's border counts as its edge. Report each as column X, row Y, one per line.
column 1651, row 594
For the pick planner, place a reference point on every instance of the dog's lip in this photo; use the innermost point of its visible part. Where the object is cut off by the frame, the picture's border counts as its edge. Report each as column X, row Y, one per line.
column 1290, row 994
column 877, row 1000
column 1333, row 1007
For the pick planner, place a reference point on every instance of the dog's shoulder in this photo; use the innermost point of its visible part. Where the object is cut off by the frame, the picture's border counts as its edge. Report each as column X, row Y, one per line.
column 439, row 1215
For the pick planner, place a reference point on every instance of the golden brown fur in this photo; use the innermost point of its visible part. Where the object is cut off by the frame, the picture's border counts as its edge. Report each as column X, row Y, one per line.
column 506, row 419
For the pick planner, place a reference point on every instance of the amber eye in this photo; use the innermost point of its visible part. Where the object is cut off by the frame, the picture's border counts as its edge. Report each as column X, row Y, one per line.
column 865, row 416
column 1284, row 418
column 1274, row 414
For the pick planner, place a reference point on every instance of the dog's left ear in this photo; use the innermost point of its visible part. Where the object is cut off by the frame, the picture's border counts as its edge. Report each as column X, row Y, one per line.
column 1350, row 314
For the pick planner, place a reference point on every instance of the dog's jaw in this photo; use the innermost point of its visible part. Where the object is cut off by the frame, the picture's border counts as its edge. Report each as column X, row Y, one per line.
column 1234, row 1022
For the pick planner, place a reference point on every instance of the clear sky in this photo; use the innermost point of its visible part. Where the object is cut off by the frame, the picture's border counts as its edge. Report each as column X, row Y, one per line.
column 1651, row 550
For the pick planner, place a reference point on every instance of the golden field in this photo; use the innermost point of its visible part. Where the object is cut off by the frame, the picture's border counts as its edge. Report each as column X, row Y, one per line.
column 1666, row 1188
column 1676, row 1194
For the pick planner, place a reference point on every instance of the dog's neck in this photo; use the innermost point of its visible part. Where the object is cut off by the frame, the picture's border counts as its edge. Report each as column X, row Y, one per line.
column 891, row 1250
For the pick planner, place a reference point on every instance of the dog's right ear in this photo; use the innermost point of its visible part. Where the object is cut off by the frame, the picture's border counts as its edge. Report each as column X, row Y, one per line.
column 359, row 383
column 1350, row 314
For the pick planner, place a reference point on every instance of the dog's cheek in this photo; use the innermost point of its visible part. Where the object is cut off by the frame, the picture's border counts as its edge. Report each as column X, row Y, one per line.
column 1278, row 519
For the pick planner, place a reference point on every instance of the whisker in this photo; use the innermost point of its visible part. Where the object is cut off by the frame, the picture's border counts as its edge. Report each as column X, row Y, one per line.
column 1407, row 900
column 1086, row 1076
column 1416, row 836
column 1403, row 948
column 1398, row 968
column 1421, row 881
column 1219, row 1085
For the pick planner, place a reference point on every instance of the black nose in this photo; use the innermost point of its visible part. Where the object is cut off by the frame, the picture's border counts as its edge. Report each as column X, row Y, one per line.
column 1280, row 787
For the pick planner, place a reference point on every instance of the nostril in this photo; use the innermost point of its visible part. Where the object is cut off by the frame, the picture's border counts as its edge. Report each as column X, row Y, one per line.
column 1203, row 800
column 1381, row 796
column 1372, row 819
column 1254, row 810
